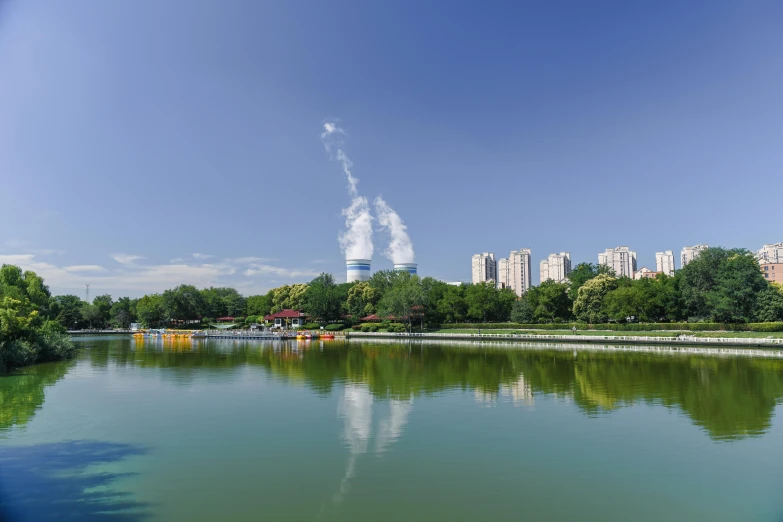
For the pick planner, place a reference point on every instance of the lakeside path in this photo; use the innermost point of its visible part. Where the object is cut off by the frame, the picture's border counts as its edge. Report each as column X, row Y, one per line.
column 604, row 338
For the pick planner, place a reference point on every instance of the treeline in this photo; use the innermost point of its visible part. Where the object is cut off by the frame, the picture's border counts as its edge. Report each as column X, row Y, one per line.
column 721, row 286
column 28, row 333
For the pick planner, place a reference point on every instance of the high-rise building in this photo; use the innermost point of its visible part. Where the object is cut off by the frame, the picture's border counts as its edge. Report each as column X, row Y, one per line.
column 484, row 268
column 621, row 260
column 664, row 262
column 772, row 253
column 516, row 271
column 503, row 278
column 689, row 253
column 556, row 267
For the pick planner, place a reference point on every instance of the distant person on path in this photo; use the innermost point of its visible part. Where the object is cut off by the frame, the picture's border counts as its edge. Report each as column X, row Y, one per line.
column 573, row 329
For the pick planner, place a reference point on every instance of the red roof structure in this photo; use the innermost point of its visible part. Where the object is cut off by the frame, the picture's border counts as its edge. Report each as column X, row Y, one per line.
column 285, row 314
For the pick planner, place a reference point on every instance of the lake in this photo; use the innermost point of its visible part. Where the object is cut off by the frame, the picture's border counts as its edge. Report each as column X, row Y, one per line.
column 388, row 431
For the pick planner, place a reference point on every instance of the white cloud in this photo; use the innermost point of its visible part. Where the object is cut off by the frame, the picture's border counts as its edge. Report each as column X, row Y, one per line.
column 249, row 275
column 126, row 259
column 257, row 268
column 84, row 268
column 202, row 256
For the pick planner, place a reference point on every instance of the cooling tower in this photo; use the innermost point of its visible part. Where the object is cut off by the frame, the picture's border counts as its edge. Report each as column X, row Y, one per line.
column 358, row 269
column 411, row 268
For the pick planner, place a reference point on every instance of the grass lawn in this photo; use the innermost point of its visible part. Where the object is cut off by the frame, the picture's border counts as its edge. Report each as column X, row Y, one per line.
column 754, row 335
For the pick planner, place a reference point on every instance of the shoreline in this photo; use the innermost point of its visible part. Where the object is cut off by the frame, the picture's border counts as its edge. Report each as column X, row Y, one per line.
column 682, row 340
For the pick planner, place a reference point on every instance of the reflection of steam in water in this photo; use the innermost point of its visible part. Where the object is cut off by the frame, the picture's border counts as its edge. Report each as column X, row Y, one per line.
column 356, row 407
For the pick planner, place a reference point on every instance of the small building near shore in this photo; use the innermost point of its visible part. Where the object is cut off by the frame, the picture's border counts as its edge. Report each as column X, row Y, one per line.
column 287, row 318
column 645, row 273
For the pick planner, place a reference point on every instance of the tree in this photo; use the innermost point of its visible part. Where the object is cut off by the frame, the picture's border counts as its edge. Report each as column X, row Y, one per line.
column 453, row 307
column 259, row 305
column 182, row 303
column 361, row 301
column 553, row 303
column 402, row 299
column 582, row 273
column 149, row 310
column 589, row 302
column 722, row 285
column 320, row 300
column 123, row 312
column 102, row 304
column 769, row 304
column 67, row 310
column 624, row 302
column 482, row 300
column 523, row 311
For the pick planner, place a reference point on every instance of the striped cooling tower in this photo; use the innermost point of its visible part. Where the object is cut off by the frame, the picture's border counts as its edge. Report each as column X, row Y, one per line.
column 358, row 269
column 411, row 268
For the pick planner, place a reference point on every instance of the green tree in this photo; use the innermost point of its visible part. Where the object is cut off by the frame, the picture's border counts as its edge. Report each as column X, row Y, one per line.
column 259, row 305
column 553, row 304
column 722, row 285
column 149, row 310
column 123, row 312
column 403, row 299
column 524, row 308
column 321, row 299
column 769, row 304
column 588, row 306
column 482, row 299
column 452, row 307
column 361, row 301
column 582, row 273
column 182, row 303
column 67, row 310
column 102, row 304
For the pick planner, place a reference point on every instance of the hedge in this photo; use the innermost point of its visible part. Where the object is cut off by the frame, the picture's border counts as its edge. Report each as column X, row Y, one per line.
column 335, row 327
column 625, row 327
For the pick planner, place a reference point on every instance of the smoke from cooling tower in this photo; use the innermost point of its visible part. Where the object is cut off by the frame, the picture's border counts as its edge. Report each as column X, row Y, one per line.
column 356, row 239
column 400, row 247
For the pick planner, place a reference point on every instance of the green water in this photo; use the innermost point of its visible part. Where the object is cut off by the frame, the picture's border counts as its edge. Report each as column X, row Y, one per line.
column 235, row 431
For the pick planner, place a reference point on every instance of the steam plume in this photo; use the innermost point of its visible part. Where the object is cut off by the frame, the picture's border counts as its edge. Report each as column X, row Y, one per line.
column 356, row 239
column 400, row 247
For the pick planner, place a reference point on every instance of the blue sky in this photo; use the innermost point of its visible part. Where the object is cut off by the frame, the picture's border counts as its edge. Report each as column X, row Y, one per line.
column 145, row 144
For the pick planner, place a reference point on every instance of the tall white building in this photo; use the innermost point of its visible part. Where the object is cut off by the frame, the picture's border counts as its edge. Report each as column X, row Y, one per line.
column 689, row 253
column 664, row 262
column 619, row 259
column 484, row 268
column 772, row 253
column 516, row 272
column 556, row 267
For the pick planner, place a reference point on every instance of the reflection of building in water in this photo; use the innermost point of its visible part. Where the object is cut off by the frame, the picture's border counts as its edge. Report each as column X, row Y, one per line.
column 485, row 398
column 521, row 392
column 356, row 409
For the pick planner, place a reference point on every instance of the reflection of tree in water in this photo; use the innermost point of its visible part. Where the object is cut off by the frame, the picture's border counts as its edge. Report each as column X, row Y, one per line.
column 51, row 482
column 728, row 397
column 22, row 393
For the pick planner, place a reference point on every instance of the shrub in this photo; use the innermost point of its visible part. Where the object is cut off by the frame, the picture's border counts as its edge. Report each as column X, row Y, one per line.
column 399, row 328
column 311, row 326
column 15, row 353
column 334, row 327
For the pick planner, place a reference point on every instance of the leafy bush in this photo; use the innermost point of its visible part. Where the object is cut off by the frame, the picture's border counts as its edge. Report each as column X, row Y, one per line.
column 369, row 327
column 18, row 352
column 398, row 328
column 311, row 326
column 334, row 327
